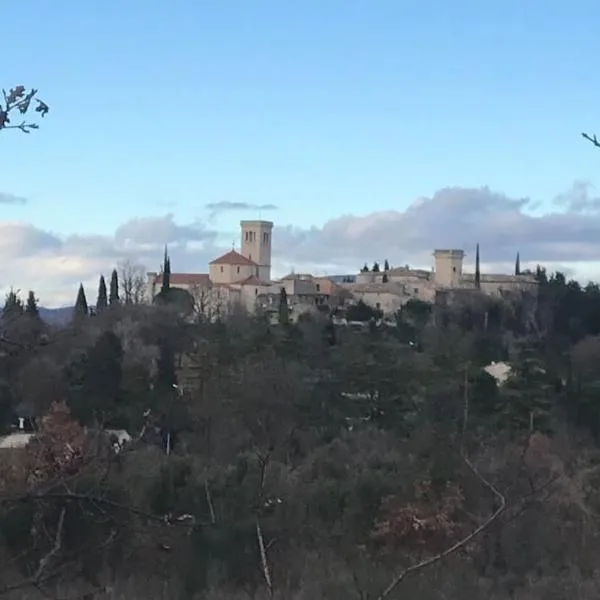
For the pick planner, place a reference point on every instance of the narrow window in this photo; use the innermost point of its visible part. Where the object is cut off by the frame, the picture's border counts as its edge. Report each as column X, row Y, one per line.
column 246, row 236
column 265, row 238
column 221, row 269
column 238, row 269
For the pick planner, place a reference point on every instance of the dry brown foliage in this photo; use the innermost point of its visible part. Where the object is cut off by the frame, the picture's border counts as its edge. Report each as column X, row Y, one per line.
column 429, row 522
column 59, row 447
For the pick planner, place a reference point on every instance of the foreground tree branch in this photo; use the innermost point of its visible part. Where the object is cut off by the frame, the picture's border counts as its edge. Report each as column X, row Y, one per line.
column 18, row 101
column 414, row 569
column 44, row 562
column 264, row 561
column 592, row 139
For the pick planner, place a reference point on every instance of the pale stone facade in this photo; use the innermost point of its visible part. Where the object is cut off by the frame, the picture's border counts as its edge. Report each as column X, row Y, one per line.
column 404, row 283
column 234, row 279
column 244, row 279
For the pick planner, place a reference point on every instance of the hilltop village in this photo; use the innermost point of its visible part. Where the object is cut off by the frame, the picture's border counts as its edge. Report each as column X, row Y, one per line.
column 244, row 279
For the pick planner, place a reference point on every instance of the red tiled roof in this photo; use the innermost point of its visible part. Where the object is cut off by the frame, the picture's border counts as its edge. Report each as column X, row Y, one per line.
column 185, row 278
column 253, row 280
column 233, row 258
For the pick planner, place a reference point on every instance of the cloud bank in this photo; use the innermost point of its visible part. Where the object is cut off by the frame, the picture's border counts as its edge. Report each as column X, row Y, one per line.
column 11, row 199
column 567, row 238
column 217, row 208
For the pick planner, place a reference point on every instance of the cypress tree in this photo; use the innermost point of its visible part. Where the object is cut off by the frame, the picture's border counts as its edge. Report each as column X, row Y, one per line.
column 13, row 305
column 81, row 305
column 31, row 307
column 518, row 265
column 166, row 275
column 284, row 309
column 386, row 265
column 113, row 298
column 477, row 272
column 102, row 301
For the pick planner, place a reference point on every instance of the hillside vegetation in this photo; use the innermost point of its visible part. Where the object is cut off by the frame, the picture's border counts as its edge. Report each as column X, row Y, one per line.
column 306, row 461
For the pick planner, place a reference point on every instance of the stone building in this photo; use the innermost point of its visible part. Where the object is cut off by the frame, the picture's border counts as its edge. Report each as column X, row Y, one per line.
column 244, row 279
column 389, row 290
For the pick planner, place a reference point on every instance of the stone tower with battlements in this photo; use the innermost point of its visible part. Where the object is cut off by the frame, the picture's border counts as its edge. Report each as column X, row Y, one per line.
column 448, row 267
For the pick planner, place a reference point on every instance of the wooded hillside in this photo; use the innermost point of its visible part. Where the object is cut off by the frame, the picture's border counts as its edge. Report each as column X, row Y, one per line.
column 305, row 461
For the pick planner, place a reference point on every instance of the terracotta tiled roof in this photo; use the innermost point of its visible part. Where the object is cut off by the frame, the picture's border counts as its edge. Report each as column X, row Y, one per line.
column 185, row 278
column 233, row 258
column 252, row 280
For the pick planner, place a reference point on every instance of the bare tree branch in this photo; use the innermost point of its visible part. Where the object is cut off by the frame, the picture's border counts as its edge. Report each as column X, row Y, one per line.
column 263, row 559
column 18, row 100
column 412, row 570
column 213, row 518
column 132, row 279
column 55, row 548
column 591, row 138
column 263, row 461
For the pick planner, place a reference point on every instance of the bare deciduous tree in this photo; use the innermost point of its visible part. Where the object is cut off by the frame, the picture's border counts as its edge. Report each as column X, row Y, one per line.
column 132, row 277
column 18, row 101
column 209, row 302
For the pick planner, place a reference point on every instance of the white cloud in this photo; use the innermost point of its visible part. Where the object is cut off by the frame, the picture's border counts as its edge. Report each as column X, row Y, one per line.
column 216, row 209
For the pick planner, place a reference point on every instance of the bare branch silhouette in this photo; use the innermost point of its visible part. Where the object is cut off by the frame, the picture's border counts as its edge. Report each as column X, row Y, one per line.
column 412, row 570
column 18, row 101
column 592, row 139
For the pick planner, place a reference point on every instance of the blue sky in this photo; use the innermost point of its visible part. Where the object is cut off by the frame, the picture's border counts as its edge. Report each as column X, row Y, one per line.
column 322, row 107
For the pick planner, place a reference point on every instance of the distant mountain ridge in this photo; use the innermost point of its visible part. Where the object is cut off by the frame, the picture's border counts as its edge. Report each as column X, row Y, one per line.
column 56, row 316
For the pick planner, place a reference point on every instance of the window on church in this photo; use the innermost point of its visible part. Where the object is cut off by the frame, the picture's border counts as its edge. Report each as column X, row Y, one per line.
column 238, row 269
column 265, row 238
column 246, row 236
column 221, row 269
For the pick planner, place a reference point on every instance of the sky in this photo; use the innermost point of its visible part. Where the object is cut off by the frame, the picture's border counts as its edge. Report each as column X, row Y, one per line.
column 365, row 129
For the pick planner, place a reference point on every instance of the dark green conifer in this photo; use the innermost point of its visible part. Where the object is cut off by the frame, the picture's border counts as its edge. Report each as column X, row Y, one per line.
column 166, row 274
column 113, row 298
column 102, row 301
column 477, row 271
column 81, row 305
column 31, row 307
